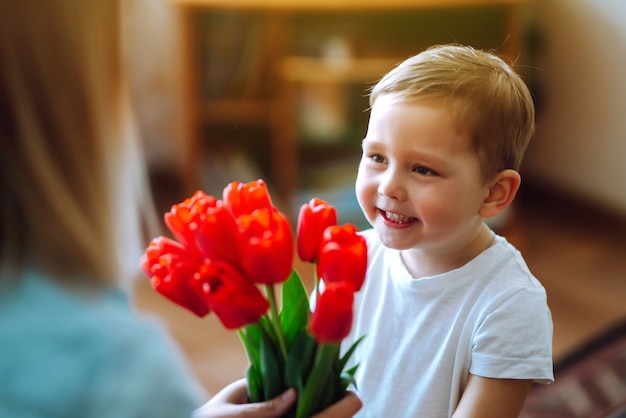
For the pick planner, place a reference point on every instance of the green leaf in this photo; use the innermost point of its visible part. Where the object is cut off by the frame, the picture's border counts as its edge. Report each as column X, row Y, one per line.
column 254, row 384
column 328, row 392
column 265, row 325
column 313, row 394
column 300, row 360
column 294, row 314
column 251, row 337
column 347, row 378
column 271, row 370
column 343, row 360
column 351, row 371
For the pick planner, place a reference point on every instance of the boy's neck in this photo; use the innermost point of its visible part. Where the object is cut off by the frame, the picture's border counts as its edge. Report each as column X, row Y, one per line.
column 424, row 263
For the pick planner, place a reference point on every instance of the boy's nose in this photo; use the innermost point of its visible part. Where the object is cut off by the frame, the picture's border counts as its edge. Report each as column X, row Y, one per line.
column 392, row 185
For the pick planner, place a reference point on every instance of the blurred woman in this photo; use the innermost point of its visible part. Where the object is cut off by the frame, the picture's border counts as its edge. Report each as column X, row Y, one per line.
column 73, row 199
column 72, row 188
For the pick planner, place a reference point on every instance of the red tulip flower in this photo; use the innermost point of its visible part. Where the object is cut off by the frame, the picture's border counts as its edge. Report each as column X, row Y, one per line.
column 244, row 198
column 234, row 299
column 332, row 319
column 313, row 219
column 266, row 243
column 343, row 256
column 224, row 250
column 171, row 269
column 216, row 236
column 184, row 219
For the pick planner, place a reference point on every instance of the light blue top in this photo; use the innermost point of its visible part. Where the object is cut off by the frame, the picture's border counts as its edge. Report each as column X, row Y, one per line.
column 63, row 355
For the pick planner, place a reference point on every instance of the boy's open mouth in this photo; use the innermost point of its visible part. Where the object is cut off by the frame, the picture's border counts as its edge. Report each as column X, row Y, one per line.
column 396, row 218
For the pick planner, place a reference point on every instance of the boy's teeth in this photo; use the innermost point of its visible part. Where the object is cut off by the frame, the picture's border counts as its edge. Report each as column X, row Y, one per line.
column 397, row 218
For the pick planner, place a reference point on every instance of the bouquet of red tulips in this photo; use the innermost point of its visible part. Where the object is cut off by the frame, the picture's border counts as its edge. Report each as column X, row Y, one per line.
column 228, row 257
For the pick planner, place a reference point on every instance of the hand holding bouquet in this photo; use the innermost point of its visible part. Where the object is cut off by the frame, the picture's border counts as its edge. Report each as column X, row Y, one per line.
column 228, row 258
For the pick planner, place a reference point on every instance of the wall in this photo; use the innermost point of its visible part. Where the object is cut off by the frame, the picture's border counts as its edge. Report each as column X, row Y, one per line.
column 153, row 42
column 580, row 145
column 580, row 79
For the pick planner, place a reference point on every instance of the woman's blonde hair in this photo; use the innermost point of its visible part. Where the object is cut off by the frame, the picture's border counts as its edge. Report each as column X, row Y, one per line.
column 484, row 93
column 65, row 137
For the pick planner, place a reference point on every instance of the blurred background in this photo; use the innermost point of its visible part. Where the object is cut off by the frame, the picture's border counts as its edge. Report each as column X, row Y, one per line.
column 243, row 89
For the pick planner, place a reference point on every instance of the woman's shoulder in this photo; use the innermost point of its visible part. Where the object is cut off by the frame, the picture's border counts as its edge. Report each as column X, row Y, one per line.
column 97, row 348
column 49, row 309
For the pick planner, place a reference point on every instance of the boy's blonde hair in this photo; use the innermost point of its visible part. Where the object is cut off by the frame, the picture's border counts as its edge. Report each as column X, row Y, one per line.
column 485, row 95
column 65, row 137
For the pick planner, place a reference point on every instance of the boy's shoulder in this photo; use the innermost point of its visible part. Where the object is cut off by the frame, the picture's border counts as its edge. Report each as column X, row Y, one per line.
column 503, row 257
column 371, row 238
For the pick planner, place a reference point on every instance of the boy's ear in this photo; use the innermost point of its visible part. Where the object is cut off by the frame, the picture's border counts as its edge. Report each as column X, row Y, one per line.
column 502, row 191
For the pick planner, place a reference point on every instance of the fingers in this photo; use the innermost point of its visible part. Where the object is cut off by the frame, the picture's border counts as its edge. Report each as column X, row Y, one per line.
column 345, row 408
column 234, row 393
column 273, row 408
column 232, row 402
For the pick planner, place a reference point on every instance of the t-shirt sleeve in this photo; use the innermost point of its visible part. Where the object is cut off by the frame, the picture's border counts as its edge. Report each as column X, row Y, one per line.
column 514, row 341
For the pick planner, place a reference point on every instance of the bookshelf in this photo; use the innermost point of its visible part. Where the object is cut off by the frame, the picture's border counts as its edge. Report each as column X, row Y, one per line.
column 296, row 71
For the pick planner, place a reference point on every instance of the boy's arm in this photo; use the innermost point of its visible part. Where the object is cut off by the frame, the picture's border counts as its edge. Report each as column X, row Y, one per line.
column 498, row 398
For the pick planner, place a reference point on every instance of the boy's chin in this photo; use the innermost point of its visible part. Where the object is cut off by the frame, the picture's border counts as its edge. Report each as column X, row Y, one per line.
column 394, row 243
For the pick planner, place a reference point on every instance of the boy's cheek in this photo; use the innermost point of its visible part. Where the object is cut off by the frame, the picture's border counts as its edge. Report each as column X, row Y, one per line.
column 361, row 186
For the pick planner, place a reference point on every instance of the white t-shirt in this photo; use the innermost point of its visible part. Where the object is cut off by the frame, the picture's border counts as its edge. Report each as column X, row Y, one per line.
column 423, row 336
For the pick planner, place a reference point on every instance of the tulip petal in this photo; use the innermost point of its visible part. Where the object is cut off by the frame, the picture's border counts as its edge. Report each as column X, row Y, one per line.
column 266, row 245
column 171, row 269
column 234, row 299
column 332, row 319
column 343, row 256
column 313, row 219
column 185, row 218
column 244, row 198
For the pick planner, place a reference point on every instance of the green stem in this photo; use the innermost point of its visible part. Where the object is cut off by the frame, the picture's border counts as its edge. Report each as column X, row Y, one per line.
column 316, row 282
column 242, row 337
column 319, row 390
column 252, row 372
column 275, row 320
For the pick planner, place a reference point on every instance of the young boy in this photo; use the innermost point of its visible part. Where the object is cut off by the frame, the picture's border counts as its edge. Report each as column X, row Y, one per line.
column 455, row 323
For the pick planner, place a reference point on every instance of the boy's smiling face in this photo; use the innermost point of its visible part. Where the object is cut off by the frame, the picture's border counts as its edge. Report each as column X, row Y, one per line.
column 419, row 181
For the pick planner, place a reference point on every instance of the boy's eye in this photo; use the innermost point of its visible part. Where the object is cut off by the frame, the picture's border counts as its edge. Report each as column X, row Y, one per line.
column 377, row 158
column 420, row 169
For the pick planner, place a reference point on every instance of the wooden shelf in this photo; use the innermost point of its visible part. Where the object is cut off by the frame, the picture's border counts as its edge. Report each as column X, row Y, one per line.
column 247, row 112
column 348, row 70
column 281, row 67
column 341, row 4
